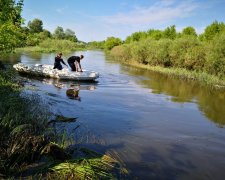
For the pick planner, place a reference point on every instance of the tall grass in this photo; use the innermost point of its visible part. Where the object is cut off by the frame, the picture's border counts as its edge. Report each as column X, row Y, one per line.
column 23, row 122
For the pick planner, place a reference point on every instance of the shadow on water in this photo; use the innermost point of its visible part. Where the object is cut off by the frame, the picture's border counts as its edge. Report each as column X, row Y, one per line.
column 210, row 101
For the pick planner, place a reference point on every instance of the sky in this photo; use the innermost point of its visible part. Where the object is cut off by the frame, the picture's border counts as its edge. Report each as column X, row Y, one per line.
column 95, row 20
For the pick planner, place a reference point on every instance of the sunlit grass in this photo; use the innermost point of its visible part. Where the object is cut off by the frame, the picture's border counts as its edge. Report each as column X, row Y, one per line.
column 202, row 77
column 53, row 45
column 94, row 166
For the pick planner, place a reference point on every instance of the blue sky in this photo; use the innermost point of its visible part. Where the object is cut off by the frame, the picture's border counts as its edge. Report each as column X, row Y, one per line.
column 98, row 19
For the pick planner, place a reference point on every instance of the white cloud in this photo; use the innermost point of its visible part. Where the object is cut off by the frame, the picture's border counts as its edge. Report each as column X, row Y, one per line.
column 159, row 13
column 122, row 24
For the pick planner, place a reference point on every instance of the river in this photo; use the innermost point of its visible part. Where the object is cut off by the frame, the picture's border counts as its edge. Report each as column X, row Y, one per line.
column 160, row 127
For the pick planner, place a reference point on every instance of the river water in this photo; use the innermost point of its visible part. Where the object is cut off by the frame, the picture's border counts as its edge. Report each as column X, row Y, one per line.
column 160, row 127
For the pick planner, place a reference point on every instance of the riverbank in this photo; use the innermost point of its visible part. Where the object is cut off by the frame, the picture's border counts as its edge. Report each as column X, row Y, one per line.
column 187, row 57
column 201, row 77
column 30, row 147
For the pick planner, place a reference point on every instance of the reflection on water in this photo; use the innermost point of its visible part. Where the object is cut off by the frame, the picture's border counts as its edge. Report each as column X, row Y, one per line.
column 68, row 84
column 210, row 101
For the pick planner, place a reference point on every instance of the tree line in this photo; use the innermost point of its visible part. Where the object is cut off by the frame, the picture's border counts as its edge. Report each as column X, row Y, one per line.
column 168, row 48
column 36, row 34
column 170, row 33
column 14, row 34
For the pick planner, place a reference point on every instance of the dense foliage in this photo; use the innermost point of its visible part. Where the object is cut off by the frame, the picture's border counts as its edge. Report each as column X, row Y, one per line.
column 111, row 42
column 36, row 34
column 36, row 26
column 11, row 33
column 203, row 53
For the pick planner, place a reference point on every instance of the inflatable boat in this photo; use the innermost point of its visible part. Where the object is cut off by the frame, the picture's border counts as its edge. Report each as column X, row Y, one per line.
column 48, row 71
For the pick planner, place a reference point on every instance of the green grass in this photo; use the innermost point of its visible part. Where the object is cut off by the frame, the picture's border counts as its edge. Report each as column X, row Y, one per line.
column 86, row 168
column 53, row 45
column 182, row 73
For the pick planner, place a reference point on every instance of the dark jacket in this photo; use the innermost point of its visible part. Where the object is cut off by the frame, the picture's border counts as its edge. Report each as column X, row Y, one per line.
column 57, row 64
column 72, row 59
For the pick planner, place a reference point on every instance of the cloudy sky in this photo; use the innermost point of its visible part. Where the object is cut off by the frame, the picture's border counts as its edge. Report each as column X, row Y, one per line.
column 98, row 19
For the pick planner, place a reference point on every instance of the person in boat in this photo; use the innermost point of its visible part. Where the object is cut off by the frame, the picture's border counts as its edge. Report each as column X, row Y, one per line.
column 58, row 61
column 74, row 63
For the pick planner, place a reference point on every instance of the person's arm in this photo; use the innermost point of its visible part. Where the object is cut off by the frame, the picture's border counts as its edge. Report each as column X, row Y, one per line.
column 80, row 67
column 63, row 62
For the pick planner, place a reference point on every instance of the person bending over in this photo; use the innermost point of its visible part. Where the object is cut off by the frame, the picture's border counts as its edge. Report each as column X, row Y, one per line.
column 58, row 61
column 74, row 63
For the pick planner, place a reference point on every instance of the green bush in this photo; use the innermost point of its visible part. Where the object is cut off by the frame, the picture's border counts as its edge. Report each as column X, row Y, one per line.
column 56, row 44
column 32, row 40
column 11, row 36
column 215, row 56
column 139, row 51
column 112, row 42
column 158, row 53
column 179, row 49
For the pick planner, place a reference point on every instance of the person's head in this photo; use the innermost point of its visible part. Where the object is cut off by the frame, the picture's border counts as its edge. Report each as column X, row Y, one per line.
column 60, row 54
column 81, row 56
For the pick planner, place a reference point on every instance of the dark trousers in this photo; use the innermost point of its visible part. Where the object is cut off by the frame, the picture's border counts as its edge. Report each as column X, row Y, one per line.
column 72, row 66
column 57, row 66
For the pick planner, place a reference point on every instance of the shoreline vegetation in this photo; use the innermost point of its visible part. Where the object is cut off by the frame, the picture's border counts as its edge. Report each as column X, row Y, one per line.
column 30, row 147
column 201, row 77
column 53, row 45
column 184, row 55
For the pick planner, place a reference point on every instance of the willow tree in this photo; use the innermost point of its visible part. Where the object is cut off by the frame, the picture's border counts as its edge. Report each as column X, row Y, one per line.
column 11, row 33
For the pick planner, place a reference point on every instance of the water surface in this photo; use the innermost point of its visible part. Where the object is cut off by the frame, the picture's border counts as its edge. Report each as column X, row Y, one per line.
column 160, row 127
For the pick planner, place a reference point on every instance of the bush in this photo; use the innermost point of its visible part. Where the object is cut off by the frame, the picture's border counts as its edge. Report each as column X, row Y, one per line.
column 32, row 40
column 215, row 56
column 56, row 44
column 112, row 42
column 139, row 51
column 158, row 52
column 195, row 58
column 179, row 49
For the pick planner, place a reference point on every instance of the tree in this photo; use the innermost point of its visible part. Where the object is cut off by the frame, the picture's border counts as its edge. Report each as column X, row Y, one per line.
column 213, row 29
column 137, row 36
column 44, row 34
column 189, row 31
column 155, row 34
column 170, row 32
column 59, row 33
column 36, row 26
column 112, row 42
column 11, row 12
column 70, row 35
column 11, row 33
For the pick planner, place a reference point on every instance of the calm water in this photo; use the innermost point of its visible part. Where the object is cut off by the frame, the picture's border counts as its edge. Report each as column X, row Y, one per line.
column 161, row 128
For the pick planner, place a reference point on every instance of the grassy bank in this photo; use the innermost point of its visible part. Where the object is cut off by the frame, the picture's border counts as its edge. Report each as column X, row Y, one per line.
column 31, row 148
column 53, row 45
column 202, row 77
column 186, row 57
